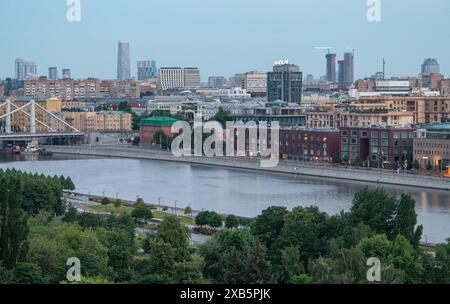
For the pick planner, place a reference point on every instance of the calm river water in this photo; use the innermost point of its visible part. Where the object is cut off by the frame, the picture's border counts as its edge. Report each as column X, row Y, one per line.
column 228, row 191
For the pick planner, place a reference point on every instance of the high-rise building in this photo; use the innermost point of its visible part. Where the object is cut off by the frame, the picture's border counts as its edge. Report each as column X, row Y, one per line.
column 217, row 82
column 179, row 78
column 285, row 83
column 146, row 69
column 123, row 61
column 349, row 68
column 52, row 73
column 309, row 79
column 171, row 78
column 25, row 69
column 66, row 74
column 341, row 73
column 431, row 66
column 191, row 78
column 256, row 83
column 331, row 68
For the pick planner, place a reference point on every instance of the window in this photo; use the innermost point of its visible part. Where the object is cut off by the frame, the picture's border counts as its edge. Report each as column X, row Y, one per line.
column 384, row 135
column 354, row 133
column 374, row 142
column 364, row 134
column 374, row 134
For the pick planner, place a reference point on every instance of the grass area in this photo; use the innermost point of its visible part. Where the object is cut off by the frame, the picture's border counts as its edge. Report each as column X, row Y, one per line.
column 184, row 219
column 127, row 210
column 112, row 209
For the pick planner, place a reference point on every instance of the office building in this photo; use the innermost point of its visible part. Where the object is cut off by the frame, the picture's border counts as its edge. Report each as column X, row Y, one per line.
column 387, row 147
column 123, row 61
column 285, row 83
column 432, row 145
column 66, row 74
column 331, row 68
column 146, row 69
column 217, row 82
column 341, row 73
column 318, row 145
column 179, row 78
column 25, row 69
column 171, row 78
column 191, row 78
column 431, row 66
column 52, row 73
column 348, row 68
column 256, row 83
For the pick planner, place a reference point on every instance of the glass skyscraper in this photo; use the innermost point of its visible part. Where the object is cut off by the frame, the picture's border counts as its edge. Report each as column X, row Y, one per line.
column 123, row 61
column 146, row 69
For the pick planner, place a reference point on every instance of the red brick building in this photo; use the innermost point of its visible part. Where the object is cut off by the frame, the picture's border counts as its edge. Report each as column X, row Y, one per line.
column 320, row 145
column 382, row 146
column 149, row 126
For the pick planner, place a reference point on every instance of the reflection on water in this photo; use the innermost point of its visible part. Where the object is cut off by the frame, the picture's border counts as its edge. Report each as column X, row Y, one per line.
column 237, row 192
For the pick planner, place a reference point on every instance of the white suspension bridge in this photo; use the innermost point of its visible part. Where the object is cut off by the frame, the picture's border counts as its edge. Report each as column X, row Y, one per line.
column 29, row 109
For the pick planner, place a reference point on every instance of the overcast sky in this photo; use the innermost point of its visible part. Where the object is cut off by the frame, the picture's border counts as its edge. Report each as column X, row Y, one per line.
column 223, row 37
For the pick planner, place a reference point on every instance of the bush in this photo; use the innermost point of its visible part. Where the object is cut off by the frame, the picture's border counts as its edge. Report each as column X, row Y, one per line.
column 117, row 203
column 208, row 218
column 105, row 201
column 231, row 221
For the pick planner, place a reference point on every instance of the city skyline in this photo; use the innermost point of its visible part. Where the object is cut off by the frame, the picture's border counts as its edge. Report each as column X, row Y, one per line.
column 97, row 58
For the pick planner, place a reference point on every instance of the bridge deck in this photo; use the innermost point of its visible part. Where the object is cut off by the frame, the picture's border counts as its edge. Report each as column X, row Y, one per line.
column 38, row 135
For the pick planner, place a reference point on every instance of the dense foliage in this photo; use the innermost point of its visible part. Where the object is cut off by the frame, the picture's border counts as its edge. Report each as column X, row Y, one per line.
column 304, row 245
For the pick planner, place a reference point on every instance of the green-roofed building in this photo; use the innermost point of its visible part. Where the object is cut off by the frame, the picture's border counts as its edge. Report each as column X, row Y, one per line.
column 149, row 126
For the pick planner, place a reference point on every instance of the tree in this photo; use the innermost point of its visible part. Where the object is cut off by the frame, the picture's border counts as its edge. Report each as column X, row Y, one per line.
column 172, row 232
column 416, row 164
column 406, row 220
column 429, row 166
column 160, row 138
column 188, row 211
column 209, row 218
column 13, row 222
column 307, row 228
column 27, row 273
column 222, row 117
column 374, row 208
column 71, row 215
column 105, row 201
column 235, row 257
column 267, row 226
column 385, row 214
column 117, row 203
column 142, row 214
column 232, row 221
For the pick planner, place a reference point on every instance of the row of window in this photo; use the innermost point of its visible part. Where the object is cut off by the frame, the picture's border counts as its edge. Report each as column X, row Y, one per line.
column 375, row 134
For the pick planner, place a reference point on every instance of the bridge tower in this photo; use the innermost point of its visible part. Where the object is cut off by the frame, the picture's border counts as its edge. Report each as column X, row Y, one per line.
column 8, row 117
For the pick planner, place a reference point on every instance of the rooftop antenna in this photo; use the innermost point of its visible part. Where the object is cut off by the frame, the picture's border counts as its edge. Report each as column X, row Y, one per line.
column 384, row 69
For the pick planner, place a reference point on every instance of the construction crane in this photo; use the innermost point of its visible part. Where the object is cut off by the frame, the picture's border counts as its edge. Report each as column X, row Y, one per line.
column 328, row 48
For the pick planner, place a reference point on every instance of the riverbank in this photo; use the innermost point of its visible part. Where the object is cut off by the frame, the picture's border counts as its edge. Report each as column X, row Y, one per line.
column 290, row 168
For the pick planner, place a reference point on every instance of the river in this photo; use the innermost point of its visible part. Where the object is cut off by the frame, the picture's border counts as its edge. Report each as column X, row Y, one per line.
column 239, row 192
